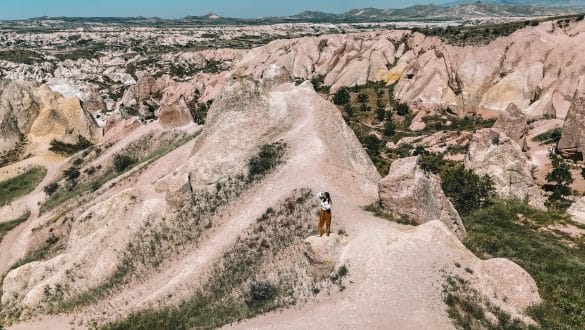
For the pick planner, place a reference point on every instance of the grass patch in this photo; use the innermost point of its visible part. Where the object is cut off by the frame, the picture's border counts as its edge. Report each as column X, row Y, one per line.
column 68, row 149
column 269, row 157
column 513, row 230
column 549, row 137
column 5, row 227
column 21, row 185
column 378, row 211
column 238, row 287
column 23, row 56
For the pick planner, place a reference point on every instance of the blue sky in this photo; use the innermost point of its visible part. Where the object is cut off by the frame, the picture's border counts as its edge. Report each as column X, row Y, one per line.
column 14, row 9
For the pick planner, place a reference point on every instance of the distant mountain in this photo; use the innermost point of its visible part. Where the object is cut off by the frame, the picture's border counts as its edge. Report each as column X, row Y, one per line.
column 580, row 4
column 459, row 10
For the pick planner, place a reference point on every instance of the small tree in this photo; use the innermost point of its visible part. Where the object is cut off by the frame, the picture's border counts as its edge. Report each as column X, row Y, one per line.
column 389, row 129
column 380, row 114
column 402, row 109
column 373, row 145
column 342, row 96
column 560, row 179
column 123, row 162
column 467, row 190
column 362, row 98
column 348, row 110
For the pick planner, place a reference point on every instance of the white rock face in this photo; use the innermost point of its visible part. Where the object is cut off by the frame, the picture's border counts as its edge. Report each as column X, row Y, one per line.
column 410, row 191
column 577, row 211
column 495, row 154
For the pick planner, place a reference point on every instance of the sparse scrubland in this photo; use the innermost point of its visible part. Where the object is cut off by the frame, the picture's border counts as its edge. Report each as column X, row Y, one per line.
column 249, row 279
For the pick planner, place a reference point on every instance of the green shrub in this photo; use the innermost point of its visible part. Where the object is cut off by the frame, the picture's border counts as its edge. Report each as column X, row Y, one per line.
column 466, row 190
column 5, row 227
column 260, row 292
column 67, row 149
column 373, row 145
column 389, row 129
column 549, row 137
column 21, row 185
column 362, row 98
column 123, row 162
column 560, row 179
column 342, row 96
column 402, row 109
column 51, row 188
column 72, row 174
column 268, row 157
column 430, row 162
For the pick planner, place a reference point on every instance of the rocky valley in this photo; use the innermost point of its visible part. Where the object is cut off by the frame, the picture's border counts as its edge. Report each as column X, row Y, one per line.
column 162, row 175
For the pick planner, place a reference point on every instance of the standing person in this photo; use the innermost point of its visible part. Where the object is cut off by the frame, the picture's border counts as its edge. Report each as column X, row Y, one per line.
column 324, row 213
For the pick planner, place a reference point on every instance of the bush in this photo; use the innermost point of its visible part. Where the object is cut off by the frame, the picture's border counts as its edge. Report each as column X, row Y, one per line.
column 268, row 157
column 380, row 113
column 362, row 98
column 389, row 129
column 466, row 190
column 260, row 292
column 373, row 145
column 402, row 109
column 560, row 179
column 123, row 162
column 342, row 96
column 51, row 188
column 430, row 162
column 72, row 174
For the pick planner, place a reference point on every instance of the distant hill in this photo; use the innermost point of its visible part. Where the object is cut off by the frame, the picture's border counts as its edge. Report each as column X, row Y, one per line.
column 459, row 10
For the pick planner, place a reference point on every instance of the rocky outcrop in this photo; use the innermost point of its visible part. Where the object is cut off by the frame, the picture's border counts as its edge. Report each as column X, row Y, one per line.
column 175, row 115
column 18, row 109
column 508, row 286
column 63, row 119
column 410, row 191
column 513, row 123
column 94, row 103
column 494, row 153
column 431, row 73
column 572, row 143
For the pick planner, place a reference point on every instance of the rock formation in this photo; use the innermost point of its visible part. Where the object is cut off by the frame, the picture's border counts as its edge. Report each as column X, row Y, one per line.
column 18, row 109
column 412, row 192
column 572, row 143
column 495, row 154
column 513, row 123
column 577, row 211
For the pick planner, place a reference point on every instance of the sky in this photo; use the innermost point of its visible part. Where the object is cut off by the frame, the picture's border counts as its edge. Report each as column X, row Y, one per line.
column 17, row 9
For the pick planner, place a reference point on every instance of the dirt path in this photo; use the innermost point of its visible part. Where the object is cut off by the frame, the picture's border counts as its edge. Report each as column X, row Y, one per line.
column 14, row 244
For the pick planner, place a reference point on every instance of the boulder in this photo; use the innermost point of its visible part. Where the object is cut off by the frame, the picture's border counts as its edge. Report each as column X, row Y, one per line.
column 577, row 211
column 572, row 143
column 513, row 123
column 176, row 114
column 494, row 153
column 145, row 87
column 94, row 103
column 410, row 191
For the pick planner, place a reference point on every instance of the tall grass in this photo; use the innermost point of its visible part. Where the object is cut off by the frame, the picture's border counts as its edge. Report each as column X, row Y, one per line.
column 5, row 227
column 513, row 230
column 21, row 185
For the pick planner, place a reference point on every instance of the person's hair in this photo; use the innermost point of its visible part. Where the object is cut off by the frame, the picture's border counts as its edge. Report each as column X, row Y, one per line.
column 328, row 197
